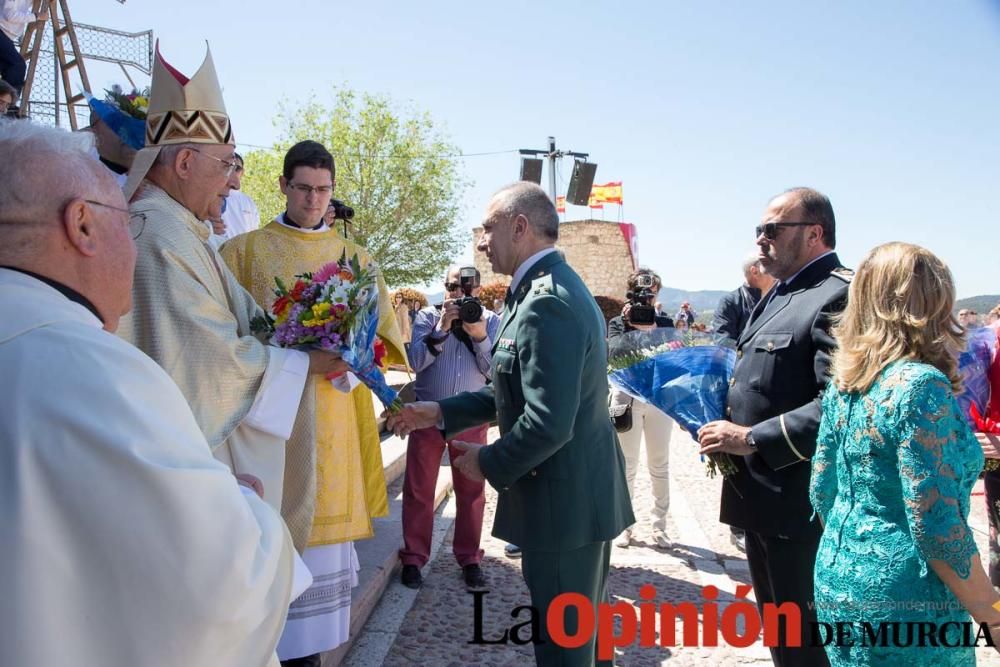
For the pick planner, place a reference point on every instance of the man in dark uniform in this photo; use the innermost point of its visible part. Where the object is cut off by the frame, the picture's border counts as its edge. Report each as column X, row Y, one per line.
column 557, row 467
column 773, row 410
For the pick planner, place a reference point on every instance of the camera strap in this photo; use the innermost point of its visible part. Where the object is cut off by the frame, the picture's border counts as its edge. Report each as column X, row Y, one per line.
column 466, row 340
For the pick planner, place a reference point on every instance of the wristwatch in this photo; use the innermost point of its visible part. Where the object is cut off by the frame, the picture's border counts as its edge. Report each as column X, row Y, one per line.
column 750, row 441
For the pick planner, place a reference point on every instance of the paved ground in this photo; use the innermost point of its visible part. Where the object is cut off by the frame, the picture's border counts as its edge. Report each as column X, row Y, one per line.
column 433, row 626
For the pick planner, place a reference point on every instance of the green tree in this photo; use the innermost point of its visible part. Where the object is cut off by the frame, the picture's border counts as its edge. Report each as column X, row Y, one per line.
column 391, row 168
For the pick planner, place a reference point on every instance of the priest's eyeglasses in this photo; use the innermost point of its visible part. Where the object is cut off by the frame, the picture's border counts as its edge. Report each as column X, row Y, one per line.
column 230, row 165
column 136, row 220
column 770, row 229
column 306, row 190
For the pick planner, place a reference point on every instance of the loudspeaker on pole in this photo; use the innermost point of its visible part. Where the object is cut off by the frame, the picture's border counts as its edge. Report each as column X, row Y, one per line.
column 531, row 170
column 580, row 184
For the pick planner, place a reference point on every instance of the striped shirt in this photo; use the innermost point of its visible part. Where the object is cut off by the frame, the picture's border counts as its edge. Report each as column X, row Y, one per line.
column 454, row 369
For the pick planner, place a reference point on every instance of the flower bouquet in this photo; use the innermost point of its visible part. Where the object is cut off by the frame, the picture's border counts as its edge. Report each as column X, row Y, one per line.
column 334, row 309
column 124, row 113
column 135, row 104
column 682, row 375
column 974, row 366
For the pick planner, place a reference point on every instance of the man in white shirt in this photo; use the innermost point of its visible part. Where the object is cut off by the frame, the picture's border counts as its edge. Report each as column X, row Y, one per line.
column 124, row 541
column 241, row 214
column 15, row 15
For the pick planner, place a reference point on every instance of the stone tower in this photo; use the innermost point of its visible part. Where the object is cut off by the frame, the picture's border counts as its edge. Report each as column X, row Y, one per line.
column 594, row 248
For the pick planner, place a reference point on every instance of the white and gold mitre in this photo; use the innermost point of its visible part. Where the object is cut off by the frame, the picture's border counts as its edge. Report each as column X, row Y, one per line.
column 181, row 111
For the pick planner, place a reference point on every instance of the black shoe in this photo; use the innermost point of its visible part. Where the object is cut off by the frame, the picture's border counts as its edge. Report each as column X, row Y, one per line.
column 411, row 577
column 474, row 579
column 307, row 661
column 512, row 551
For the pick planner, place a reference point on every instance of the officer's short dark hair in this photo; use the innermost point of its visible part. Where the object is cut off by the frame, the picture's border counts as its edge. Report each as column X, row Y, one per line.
column 818, row 210
column 307, row 154
column 643, row 271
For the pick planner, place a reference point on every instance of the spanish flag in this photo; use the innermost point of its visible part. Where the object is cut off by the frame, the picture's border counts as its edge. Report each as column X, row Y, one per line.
column 560, row 204
column 609, row 193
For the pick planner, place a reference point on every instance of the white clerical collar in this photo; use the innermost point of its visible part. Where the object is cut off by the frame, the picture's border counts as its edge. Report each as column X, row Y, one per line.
column 322, row 226
column 527, row 264
column 788, row 281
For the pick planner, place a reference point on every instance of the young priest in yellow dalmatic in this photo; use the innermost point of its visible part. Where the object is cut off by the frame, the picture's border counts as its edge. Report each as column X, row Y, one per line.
column 334, row 483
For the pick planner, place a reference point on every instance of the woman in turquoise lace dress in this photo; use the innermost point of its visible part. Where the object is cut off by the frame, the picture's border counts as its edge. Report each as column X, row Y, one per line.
column 893, row 470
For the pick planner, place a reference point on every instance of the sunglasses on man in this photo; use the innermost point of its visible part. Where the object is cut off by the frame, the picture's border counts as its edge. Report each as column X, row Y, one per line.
column 770, row 229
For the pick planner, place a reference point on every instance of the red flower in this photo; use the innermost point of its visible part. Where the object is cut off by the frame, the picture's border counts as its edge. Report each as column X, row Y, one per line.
column 380, row 351
column 297, row 290
column 279, row 305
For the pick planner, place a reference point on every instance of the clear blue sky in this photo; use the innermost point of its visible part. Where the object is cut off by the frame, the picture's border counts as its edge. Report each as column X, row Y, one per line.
column 703, row 109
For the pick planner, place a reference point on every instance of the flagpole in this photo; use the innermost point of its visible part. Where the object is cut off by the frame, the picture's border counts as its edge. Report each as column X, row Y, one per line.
column 552, row 167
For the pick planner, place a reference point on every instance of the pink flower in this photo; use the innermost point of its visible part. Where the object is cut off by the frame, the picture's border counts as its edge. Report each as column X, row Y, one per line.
column 326, row 272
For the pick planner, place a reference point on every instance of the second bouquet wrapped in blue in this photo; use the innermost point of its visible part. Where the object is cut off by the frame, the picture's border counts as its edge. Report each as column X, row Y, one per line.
column 683, row 376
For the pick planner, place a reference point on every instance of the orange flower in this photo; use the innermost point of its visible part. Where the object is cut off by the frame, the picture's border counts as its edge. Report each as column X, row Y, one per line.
column 345, row 273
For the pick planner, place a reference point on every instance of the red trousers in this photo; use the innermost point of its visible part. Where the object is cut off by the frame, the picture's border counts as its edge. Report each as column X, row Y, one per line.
column 423, row 460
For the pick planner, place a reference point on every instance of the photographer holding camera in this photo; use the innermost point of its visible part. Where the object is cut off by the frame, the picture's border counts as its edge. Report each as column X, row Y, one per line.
column 633, row 419
column 451, row 352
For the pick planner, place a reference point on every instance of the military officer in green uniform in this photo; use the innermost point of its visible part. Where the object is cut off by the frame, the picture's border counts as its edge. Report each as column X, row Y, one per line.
column 557, row 466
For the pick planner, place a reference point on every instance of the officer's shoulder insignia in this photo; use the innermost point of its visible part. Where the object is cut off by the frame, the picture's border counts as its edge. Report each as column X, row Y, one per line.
column 845, row 274
column 542, row 284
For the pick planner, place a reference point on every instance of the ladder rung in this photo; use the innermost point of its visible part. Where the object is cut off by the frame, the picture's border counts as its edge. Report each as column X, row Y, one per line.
column 70, row 65
column 62, row 31
column 76, row 98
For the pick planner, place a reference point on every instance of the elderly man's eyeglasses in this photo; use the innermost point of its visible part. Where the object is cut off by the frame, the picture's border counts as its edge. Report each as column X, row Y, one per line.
column 770, row 229
column 231, row 167
column 306, row 190
column 136, row 220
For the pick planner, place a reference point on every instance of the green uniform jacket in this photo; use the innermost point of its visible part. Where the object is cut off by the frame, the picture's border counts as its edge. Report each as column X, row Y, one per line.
column 557, row 465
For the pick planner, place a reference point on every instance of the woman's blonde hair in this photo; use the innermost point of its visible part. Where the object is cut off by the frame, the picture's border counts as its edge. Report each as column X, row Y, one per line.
column 899, row 307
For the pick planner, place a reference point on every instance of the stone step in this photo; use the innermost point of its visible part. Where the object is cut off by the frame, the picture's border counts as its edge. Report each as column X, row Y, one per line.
column 379, row 555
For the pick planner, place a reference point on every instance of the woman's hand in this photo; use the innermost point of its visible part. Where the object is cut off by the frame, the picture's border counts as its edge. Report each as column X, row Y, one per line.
column 990, row 444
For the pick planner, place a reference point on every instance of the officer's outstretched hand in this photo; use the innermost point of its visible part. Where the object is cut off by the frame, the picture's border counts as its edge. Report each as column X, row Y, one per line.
column 412, row 416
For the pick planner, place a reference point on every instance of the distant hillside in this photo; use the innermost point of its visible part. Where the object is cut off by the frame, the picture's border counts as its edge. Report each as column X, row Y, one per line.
column 705, row 301
column 981, row 304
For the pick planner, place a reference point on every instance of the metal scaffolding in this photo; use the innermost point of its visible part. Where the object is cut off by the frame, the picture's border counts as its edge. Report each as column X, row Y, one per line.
column 57, row 61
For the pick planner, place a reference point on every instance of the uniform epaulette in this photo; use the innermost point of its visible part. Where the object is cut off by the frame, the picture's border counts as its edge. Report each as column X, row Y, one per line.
column 542, row 284
column 845, row 274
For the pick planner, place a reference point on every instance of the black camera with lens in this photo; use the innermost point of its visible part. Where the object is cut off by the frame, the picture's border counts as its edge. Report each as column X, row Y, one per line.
column 341, row 211
column 470, row 308
column 642, row 299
